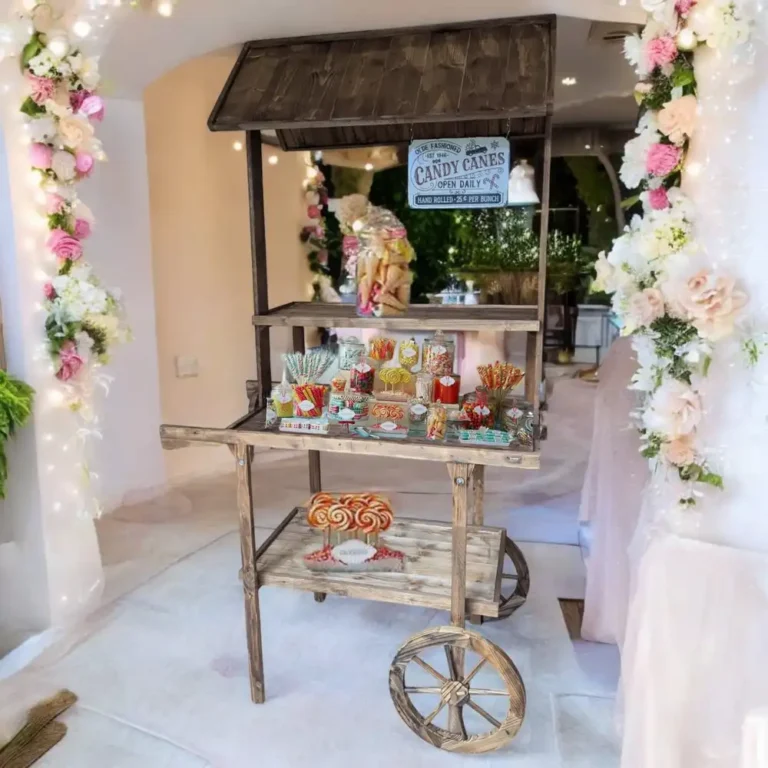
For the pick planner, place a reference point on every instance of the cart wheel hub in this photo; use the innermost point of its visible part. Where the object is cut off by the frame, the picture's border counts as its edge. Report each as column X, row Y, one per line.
column 454, row 692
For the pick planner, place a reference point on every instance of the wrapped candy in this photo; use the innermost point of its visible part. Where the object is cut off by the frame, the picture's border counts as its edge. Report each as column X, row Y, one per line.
column 476, row 409
column 408, row 354
column 383, row 272
column 351, row 351
column 437, row 358
column 437, row 420
column 282, row 400
column 308, row 400
column 381, row 349
column 361, row 378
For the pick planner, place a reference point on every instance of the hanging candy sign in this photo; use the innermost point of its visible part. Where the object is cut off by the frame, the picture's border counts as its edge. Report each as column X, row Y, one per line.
column 458, row 173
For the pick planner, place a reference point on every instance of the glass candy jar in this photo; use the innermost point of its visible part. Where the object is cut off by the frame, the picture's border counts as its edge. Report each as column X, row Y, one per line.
column 408, row 354
column 437, row 358
column 351, row 351
column 437, row 421
column 477, row 409
column 417, row 410
column 446, row 389
column 282, row 401
column 424, row 387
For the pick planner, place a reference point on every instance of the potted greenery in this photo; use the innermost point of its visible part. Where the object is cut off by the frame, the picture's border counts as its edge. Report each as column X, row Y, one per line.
column 16, row 400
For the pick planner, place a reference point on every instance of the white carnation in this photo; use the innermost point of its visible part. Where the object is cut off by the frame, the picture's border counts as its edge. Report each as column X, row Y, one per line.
column 87, row 69
column 41, row 128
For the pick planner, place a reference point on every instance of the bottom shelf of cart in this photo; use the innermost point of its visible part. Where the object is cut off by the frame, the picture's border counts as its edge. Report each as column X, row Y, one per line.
column 426, row 576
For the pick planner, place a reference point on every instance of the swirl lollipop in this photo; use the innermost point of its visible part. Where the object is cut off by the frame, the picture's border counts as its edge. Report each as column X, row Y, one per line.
column 341, row 518
column 367, row 520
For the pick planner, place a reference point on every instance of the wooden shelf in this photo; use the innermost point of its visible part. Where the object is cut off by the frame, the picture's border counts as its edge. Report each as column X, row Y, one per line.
column 252, row 430
column 425, row 580
column 418, row 317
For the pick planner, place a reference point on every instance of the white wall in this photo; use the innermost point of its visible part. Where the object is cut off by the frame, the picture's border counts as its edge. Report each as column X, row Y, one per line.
column 202, row 255
column 130, row 460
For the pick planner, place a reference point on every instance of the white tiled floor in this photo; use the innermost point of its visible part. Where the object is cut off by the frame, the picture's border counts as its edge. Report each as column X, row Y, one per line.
column 161, row 669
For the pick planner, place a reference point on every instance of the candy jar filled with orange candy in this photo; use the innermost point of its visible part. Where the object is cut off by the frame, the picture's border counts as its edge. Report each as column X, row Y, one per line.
column 383, row 272
column 499, row 379
column 437, row 422
column 445, row 389
column 437, row 357
column 477, row 410
column 381, row 349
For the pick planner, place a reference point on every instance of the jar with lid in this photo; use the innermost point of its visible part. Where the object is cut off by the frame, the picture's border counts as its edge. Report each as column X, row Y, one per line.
column 417, row 410
column 424, row 387
column 408, row 354
column 437, row 357
column 477, row 410
column 282, row 400
column 437, row 420
column 351, row 351
column 446, row 389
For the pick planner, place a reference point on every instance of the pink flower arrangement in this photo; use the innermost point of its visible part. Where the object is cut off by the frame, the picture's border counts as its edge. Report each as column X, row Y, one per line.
column 54, row 203
column 82, row 229
column 41, row 156
column 93, row 106
column 42, row 88
column 313, row 211
column 658, row 199
column 69, row 361
column 660, row 52
column 83, row 163
column 683, row 7
column 64, row 246
column 76, row 99
column 662, row 159
column 679, row 451
column 49, row 291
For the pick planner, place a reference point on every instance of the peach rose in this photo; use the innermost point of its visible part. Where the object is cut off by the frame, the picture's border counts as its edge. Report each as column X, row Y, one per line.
column 677, row 119
column 679, row 451
column 646, row 306
column 712, row 304
column 75, row 131
column 675, row 410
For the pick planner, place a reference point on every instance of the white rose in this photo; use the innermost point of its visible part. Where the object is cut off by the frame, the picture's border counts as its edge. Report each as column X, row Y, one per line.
column 86, row 69
column 75, row 131
column 63, row 165
column 82, row 211
column 41, row 128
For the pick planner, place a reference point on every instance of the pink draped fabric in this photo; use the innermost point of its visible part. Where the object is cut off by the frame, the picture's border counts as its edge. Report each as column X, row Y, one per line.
column 611, row 498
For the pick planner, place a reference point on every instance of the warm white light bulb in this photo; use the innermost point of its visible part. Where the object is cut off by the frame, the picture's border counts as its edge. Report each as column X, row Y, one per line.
column 311, row 172
column 237, row 146
column 81, row 28
column 587, row 146
column 58, row 46
column 55, row 397
column 369, row 166
column 273, row 160
column 165, row 8
column 686, row 39
column 569, row 81
column 357, row 225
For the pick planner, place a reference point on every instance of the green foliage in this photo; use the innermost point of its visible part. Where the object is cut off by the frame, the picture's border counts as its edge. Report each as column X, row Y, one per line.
column 30, row 108
column 496, row 240
column 672, row 333
column 30, row 50
column 348, row 181
column 16, row 400
column 595, row 190
column 697, row 473
column 567, row 261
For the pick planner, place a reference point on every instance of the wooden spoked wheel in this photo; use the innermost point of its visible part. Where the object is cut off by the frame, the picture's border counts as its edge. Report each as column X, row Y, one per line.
column 515, row 583
column 456, row 691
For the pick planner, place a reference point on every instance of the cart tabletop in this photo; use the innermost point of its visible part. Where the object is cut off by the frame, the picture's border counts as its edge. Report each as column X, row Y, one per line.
column 253, row 430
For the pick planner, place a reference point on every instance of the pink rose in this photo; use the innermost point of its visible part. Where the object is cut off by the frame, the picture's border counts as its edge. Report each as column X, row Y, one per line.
column 658, row 199
column 679, row 451
column 41, row 156
column 662, row 159
column 712, row 304
column 83, row 163
column 313, row 211
column 49, row 291
column 93, row 106
column 42, row 88
column 70, row 361
column 660, row 52
column 54, row 203
column 76, row 99
column 82, row 229
column 677, row 119
column 683, row 7
column 646, row 306
column 64, row 246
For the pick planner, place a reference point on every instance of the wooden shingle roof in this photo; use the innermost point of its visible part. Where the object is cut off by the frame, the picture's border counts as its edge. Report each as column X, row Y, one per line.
column 483, row 78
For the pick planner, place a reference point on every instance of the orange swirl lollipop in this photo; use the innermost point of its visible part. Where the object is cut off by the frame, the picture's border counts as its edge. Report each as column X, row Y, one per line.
column 341, row 518
column 367, row 520
column 382, row 509
column 321, row 498
column 318, row 516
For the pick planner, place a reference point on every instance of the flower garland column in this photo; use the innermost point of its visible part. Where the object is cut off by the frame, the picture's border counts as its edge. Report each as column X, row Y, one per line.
column 691, row 282
column 61, row 321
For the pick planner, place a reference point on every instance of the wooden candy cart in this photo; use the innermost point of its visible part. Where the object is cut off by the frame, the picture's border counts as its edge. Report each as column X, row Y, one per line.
column 481, row 79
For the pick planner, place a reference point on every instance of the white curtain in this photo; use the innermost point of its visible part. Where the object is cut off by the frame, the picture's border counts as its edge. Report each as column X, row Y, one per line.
column 694, row 663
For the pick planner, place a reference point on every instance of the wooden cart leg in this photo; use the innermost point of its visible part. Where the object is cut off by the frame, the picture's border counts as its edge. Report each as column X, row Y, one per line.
column 244, row 456
column 478, row 499
column 460, row 475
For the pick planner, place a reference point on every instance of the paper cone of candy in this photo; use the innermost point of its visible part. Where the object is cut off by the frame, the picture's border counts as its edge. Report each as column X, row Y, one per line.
column 351, row 524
